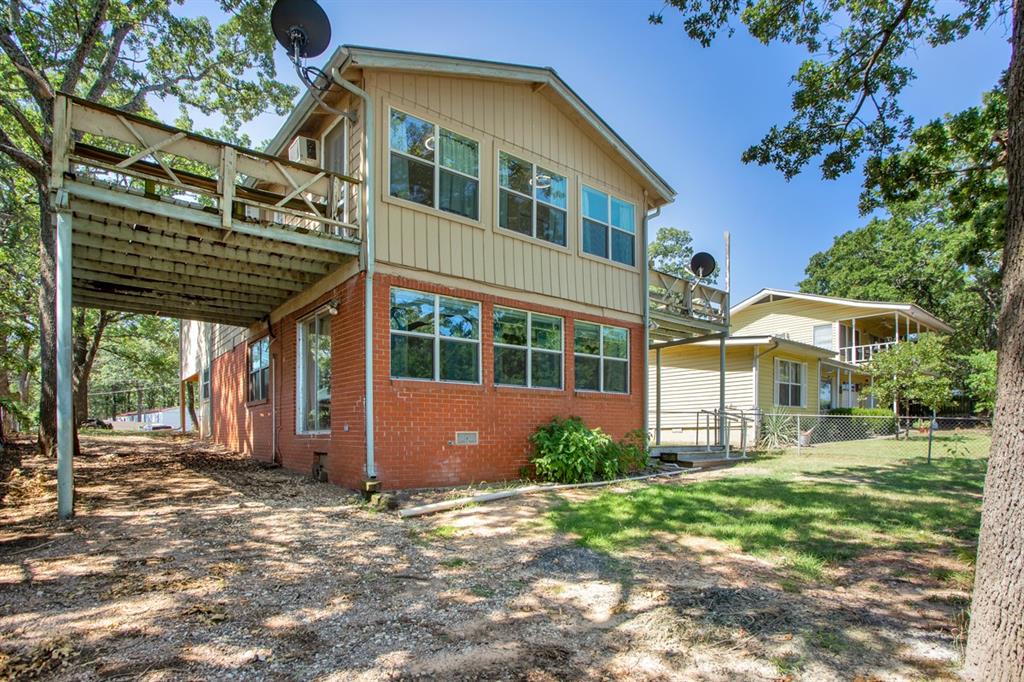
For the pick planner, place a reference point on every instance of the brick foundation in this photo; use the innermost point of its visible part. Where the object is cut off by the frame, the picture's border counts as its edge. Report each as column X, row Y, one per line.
column 416, row 421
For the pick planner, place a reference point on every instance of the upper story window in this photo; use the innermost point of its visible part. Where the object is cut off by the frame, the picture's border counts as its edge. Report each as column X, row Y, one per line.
column 314, row 374
column 790, row 383
column 259, row 369
column 532, row 200
column 527, row 349
column 434, row 337
column 434, row 166
column 609, row 227
column 601, row 357
column 823, row 336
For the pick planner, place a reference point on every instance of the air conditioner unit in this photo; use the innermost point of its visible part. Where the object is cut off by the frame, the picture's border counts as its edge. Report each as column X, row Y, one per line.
column 304, row 150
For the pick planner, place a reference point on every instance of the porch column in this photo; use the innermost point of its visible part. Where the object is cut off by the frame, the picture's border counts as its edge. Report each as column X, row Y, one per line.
column 657, row 397
column 65, row 404
column 181, row 404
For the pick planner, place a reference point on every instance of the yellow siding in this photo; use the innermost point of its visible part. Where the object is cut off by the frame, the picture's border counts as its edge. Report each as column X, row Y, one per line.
column 689, row 383
column 530, row 124
column 766, row 381
column 794, row 317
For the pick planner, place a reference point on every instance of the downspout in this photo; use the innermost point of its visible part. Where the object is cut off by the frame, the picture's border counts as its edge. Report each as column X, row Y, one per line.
column 369, row 120
column 645, row 284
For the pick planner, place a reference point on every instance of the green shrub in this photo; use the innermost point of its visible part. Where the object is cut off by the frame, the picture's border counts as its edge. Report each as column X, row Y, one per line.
column 566, row 451
column 863, row 422
column 862, row 411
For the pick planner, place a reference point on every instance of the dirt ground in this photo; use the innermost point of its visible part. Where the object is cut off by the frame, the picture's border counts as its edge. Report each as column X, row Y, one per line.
column 189, row 562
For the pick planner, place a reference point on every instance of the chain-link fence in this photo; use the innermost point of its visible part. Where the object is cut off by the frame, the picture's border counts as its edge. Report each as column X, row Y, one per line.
column 851, row 434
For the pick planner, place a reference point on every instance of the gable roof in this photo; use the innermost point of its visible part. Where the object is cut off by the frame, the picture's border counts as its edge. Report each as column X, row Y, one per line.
column 542, row 76
column 911, row 310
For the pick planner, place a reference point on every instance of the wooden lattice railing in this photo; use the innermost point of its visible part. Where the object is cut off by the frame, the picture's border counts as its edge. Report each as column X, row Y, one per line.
column 122, row 151
column 671, row 295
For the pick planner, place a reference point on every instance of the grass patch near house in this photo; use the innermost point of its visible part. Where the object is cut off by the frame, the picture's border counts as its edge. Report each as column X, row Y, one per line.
column 806, row 513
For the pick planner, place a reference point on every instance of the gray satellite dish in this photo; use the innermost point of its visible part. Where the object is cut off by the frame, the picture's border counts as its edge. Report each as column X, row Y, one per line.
column 301, row 26
column 702, row 264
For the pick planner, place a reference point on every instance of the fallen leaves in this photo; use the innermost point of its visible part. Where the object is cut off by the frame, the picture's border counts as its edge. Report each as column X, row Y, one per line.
column 37, row 662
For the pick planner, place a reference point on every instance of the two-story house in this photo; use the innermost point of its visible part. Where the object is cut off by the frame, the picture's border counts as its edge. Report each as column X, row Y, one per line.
column 502, row 280
column 802, row 353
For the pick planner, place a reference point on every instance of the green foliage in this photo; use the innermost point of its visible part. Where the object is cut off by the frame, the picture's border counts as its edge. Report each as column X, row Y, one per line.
column 566, row 451
column 778, row 430
column 846, row 99
column 861, row 411
column 671, row 250
column 915, row 371
column 981, row 382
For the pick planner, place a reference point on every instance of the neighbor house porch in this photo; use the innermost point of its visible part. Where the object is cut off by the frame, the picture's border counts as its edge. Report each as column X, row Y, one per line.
column 862, row 337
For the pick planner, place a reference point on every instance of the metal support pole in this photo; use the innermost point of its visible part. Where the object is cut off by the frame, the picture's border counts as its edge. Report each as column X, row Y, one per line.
column 722, row 427
column 799, row 435
column 931, row 436
column 65, row 406
column 657, row 397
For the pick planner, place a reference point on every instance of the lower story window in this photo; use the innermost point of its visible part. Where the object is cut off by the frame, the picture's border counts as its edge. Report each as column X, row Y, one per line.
column 434, row 337
column 789, row 383
column 259, row 369
column 204, row 387
column 314, row 374
column 527, row 349
column 601, row 357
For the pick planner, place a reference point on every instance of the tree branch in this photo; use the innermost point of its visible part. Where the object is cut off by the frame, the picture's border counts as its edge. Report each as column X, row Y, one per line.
column 22, row 158
column 26, row 124
column 106, row 74
column 74, row 68
column 36, row 81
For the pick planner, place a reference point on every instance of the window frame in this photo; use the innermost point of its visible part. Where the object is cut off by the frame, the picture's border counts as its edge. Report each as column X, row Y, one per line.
column 436, row 163
column 777, row 382
column 534, row 200
column 300, row 372
column 437, row 337
column 609, row 225
column 831, row 336
column 529, row 349
column 205, row 383
column 264, row 372
column 345, row 134
column 601, row 357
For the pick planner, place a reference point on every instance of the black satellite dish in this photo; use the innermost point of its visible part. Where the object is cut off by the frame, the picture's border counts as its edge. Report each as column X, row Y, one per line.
column 302, row 26
column 702, row 264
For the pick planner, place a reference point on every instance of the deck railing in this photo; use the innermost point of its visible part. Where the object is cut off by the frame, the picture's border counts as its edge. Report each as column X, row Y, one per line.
column 679, row 297
column 117, row 150
column 858, row 355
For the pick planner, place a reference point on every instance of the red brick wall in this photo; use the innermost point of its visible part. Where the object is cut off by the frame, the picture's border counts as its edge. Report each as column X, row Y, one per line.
column 237, row 424
column 415, row 420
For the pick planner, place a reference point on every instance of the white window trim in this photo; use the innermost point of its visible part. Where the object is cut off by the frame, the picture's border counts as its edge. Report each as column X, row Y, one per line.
column 300, row 373
column 436, row 336
column 529, row 350
column 831, row 335
column 342, row 121
column 601, row 358
column 436, row 163
column 535, row 200
column 803, row 383
column 583, row 187
column 249, row 371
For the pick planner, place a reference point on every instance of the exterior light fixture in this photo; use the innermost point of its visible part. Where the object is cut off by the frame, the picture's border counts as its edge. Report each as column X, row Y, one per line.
column 332, row 307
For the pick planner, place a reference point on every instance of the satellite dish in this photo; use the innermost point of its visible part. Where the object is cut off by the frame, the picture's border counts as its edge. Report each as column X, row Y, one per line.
column 702, row 264
column 301, row 26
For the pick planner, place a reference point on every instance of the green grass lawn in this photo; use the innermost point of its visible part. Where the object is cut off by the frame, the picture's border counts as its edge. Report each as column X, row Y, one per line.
column 807, row 511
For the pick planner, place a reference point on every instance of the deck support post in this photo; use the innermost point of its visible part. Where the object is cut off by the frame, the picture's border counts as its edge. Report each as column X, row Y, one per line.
column 657, row 396
column 65, row 402
column 723, row 425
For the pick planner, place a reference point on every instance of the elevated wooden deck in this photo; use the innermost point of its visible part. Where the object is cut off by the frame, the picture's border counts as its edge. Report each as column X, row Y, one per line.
column 171, row 223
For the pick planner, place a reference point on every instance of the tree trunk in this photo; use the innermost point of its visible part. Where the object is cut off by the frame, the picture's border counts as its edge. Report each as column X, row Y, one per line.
column 47, row 326
column 86, row 345
column 995, row 643
column 191, row 393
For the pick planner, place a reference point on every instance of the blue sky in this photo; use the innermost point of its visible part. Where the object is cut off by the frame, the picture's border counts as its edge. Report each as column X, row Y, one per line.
column 689, row 111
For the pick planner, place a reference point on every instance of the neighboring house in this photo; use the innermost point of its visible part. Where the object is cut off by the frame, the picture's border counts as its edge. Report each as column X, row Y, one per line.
column 162, row 416
column 802, row 353
column 509, row 282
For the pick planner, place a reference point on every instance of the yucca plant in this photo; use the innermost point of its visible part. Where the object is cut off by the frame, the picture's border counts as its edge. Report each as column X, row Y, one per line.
column 778, row 430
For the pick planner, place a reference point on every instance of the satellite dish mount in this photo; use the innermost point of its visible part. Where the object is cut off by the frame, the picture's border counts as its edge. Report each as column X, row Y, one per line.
column 303, row 30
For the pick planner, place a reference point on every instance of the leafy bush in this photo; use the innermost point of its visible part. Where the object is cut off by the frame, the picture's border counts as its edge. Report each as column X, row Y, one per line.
column 566, row 451
column 862, row 411
column 863, row 422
